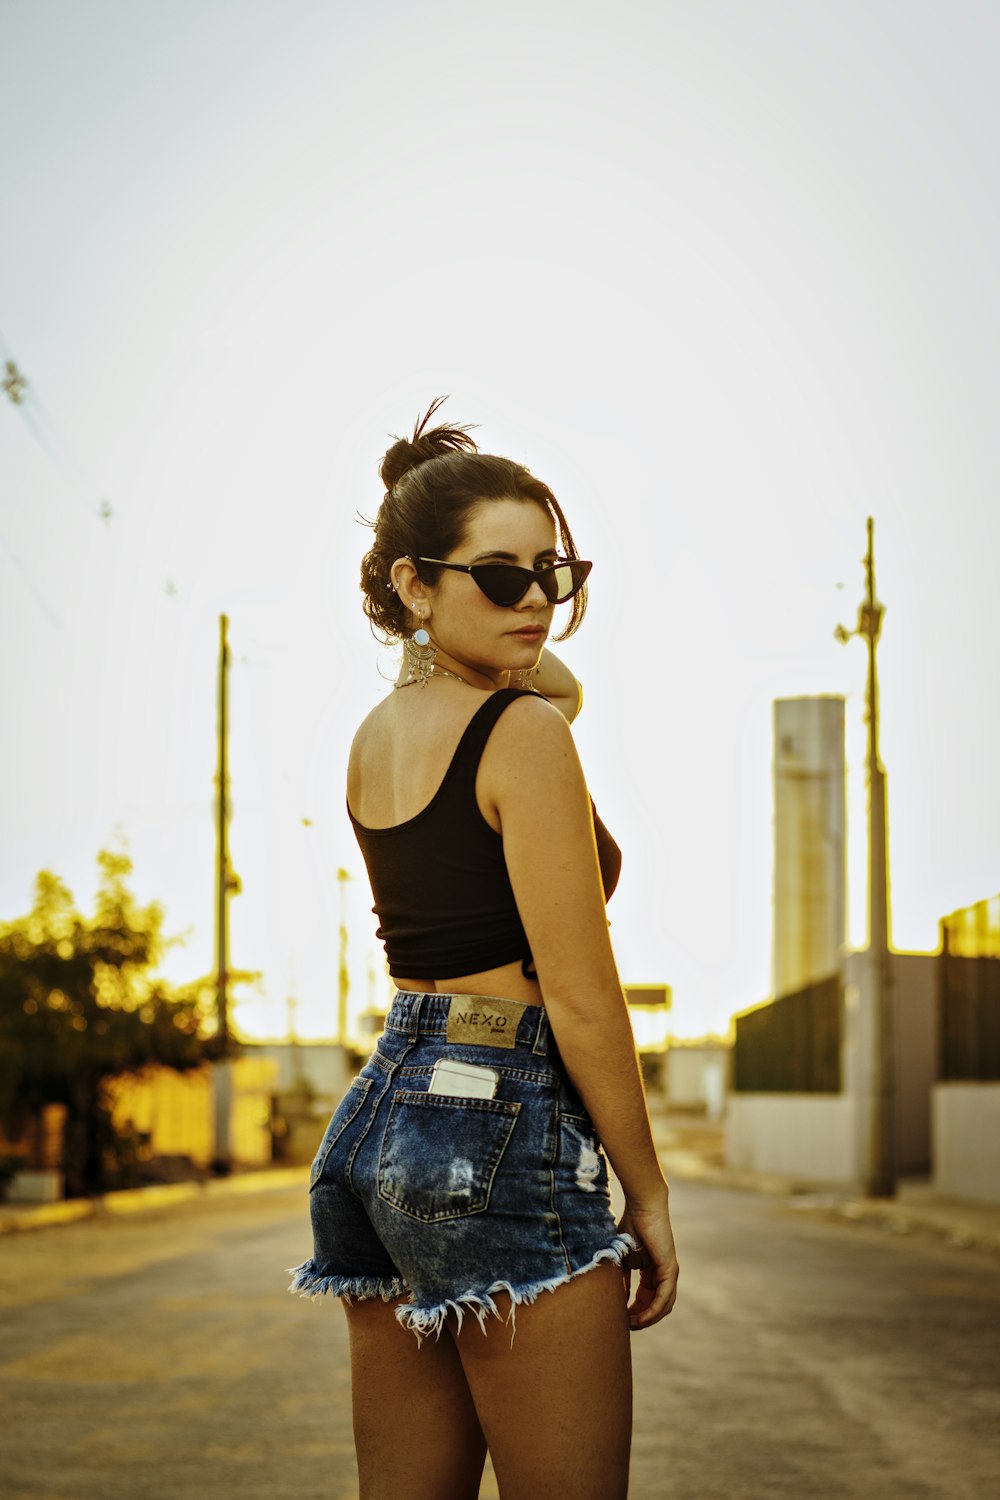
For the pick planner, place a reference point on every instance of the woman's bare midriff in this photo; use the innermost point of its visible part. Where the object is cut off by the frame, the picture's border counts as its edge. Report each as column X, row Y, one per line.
column 508, row 982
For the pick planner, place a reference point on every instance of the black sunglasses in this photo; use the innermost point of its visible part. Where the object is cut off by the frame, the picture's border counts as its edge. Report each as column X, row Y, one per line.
column 505, row 584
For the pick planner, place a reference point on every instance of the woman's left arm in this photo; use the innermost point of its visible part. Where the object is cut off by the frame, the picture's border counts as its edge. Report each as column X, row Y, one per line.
column 554, row 680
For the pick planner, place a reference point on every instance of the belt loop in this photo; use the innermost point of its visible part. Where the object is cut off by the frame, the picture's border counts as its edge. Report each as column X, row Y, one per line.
column 414, row 1025
column 542, row 1034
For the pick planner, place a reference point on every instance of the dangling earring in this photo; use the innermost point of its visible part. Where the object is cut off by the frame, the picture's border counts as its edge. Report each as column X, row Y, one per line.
column 420, row 656
column 522, row 679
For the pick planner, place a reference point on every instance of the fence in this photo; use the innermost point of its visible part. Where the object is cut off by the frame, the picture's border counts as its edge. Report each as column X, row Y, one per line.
column 791, row 1045
column 969, row 994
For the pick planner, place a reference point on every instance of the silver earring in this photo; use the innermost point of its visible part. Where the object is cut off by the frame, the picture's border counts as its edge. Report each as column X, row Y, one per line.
column 522, row 679
column 420, row 656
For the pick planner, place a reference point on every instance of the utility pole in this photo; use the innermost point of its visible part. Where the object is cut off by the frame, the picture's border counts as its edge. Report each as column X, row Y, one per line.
column 881, row 1180
column 226, row 884
column 343, row 975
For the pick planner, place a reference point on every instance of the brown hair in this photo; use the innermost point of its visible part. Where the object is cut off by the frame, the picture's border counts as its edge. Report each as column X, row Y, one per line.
column 432, row 481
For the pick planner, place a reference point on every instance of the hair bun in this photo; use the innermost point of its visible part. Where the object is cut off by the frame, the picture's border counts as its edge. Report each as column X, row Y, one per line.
column 407, row 453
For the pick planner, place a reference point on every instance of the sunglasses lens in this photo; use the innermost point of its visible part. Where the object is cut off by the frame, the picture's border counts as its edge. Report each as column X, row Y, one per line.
column 565, row 580
column 502, row 583
column 560, row 583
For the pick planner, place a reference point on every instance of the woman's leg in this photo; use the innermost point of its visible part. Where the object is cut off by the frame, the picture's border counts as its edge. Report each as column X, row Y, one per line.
column 415, row 1426
column 556, row 1406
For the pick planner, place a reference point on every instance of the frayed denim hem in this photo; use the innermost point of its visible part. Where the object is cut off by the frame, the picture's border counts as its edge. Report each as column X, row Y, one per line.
column 308, row 1281
column 422, row 1321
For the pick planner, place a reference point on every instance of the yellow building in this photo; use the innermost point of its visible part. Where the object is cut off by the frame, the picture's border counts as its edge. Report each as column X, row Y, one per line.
column 174, row 1112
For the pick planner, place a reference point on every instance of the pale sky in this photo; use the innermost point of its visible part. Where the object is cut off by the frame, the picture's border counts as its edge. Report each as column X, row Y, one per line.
column 723, row 275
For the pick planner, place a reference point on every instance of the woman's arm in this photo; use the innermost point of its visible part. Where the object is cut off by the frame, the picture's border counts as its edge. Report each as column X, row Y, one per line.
column 554, row 680
column 532, row 775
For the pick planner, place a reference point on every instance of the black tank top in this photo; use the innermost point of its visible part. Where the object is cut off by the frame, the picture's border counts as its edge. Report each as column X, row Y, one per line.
column 442, row 893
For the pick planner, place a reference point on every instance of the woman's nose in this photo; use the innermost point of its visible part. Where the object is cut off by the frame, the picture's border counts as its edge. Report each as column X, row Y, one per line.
column 534, row 598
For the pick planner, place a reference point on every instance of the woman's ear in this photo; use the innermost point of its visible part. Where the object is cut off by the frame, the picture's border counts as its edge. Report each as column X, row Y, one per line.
column 409, row 585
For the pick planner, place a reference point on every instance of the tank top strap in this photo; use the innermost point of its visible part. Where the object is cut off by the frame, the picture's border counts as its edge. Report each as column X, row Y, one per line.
column 469, row 752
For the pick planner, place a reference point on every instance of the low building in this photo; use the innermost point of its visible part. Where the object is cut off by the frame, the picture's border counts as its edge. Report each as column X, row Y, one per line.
column 173, row 1113
column 804, row 1075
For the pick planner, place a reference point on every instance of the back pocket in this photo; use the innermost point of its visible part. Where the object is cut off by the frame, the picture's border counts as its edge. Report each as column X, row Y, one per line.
column 342, row 1117
column 440, row 1153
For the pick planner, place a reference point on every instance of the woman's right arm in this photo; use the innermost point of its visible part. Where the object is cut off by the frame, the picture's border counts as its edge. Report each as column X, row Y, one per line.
column 531, row 773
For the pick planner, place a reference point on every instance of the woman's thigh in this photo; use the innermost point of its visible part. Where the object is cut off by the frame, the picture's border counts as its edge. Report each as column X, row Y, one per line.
column 553, row 1390
column 415, row 1426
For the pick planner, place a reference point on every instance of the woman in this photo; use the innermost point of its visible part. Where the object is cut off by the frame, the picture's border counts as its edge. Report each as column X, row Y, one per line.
column 461, row 1190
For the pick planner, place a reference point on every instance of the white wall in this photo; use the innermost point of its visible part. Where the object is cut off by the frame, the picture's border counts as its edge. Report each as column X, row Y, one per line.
column 696, row 1077
column 966, row 1133
column 806, row 1136
column 915, row 978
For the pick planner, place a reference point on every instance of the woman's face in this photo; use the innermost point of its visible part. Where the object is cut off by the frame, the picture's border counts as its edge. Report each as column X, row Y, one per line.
column 468, row 626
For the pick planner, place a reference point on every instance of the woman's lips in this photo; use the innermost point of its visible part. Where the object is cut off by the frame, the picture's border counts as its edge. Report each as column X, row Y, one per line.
column 529, row 633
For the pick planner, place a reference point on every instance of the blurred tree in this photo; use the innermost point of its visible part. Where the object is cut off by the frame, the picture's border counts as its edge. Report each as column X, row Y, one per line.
column 79, row 1005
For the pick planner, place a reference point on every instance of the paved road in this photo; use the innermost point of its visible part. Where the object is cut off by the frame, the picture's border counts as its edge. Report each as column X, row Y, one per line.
column 160, row 1356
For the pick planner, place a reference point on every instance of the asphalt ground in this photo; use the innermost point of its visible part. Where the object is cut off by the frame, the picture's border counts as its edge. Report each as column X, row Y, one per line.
column 157, row 1353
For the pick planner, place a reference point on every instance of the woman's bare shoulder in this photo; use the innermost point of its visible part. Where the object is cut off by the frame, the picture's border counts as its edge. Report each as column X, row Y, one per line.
column 534, row 718
column 532, row 736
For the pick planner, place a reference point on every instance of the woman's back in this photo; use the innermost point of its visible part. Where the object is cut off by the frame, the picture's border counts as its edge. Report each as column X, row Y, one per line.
column 402, row 751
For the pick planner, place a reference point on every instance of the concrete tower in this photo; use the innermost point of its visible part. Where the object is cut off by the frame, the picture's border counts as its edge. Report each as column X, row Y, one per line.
column 810, row 818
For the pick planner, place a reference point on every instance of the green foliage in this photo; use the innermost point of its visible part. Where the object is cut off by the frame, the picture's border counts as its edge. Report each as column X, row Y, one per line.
column 79, row 1005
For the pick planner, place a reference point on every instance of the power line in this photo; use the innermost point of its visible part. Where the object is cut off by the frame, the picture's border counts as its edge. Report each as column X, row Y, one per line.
column 35, row 591
column 22, row 393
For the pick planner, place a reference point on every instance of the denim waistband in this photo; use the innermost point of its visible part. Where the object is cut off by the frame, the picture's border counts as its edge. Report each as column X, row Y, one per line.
column 417, row 1013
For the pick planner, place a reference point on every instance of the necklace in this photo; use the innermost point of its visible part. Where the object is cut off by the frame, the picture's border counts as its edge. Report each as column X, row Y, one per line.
column 434, row 672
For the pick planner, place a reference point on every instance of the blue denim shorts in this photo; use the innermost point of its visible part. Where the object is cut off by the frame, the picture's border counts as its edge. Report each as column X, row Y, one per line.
column 444, row 1200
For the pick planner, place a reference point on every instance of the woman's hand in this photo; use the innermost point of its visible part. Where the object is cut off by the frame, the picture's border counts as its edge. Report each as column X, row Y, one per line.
column 656, row 1262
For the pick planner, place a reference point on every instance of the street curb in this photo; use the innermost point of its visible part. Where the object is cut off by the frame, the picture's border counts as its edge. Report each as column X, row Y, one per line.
column 15, row 1220
column 949, row 1224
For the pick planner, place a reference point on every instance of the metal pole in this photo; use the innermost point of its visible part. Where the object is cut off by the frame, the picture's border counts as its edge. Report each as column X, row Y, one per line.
column 343, row 975
column 222, row 1159
column 882, row 1174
